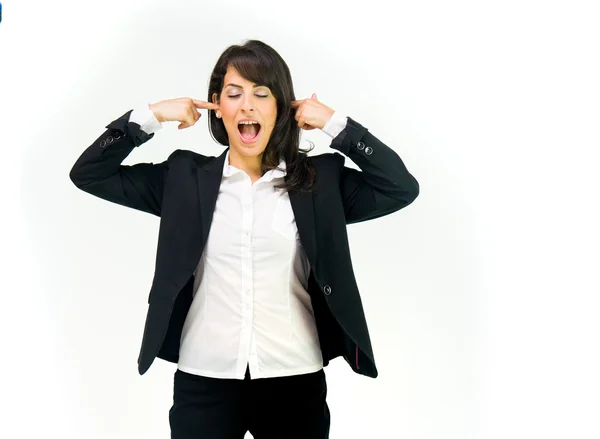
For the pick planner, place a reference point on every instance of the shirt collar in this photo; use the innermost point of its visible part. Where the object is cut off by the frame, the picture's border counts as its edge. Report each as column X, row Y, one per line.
column 229, row 170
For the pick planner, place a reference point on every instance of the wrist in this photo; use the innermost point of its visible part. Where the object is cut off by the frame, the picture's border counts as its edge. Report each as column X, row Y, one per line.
column 156, row 114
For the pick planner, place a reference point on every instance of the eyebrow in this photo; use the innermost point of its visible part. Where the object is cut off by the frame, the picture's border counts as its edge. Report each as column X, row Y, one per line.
column 239, row 86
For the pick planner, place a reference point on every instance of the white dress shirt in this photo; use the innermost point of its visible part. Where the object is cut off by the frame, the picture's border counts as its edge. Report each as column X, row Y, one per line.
column 251, row 306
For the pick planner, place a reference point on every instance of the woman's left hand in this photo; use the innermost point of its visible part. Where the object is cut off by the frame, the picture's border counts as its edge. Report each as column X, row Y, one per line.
column 311, row 114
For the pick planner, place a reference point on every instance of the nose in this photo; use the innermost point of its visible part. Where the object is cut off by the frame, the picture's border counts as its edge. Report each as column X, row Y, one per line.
column 247, row 102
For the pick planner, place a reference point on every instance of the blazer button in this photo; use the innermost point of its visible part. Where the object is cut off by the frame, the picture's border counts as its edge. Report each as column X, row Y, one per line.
column 327, row 290
column 360, row 145
column 109, row 139
column 102, row 143
column 368, row 150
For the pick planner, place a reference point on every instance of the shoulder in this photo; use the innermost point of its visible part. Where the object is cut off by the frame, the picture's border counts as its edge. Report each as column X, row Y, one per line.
column 182, row 156
column 328, row 171
column 329, row 159
column 328, row 164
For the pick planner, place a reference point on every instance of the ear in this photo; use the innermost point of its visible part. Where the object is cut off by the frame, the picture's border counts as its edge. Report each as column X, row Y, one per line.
column 215, row 98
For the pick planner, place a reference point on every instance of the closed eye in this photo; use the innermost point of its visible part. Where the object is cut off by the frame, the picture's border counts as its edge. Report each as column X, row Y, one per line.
column 259, row 96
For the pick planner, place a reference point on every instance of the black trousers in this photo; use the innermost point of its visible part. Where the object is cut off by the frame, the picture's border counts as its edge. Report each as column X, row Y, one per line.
column 291, row 407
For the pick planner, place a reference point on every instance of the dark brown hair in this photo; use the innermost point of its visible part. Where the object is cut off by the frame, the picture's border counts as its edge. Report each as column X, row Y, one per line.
column 259, row 63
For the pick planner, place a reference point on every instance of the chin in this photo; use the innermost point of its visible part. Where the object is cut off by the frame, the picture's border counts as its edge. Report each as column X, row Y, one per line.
column 250, row 150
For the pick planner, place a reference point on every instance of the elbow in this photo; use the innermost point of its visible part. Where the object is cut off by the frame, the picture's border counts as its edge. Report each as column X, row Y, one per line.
column 75, row 178
column 408, row 193
column 414, row 192
column 79, row 178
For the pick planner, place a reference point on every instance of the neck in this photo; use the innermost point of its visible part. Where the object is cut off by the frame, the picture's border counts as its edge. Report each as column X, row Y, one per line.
column 250, row 165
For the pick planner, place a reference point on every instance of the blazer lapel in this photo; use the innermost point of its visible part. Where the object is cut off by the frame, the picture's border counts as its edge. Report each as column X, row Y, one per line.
column 302, row 205
column 209, row 181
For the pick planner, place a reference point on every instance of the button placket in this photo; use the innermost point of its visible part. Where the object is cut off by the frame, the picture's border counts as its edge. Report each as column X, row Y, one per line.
column 247, row 220
column 247, row 275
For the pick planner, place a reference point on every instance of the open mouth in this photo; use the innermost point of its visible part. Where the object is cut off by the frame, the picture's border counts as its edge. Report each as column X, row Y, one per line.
column 249, row 132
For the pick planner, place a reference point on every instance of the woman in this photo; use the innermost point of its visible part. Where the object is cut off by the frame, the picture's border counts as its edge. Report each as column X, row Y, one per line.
column 253, row 292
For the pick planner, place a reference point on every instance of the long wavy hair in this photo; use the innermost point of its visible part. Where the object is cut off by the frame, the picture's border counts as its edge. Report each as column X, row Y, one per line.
column 259, row 63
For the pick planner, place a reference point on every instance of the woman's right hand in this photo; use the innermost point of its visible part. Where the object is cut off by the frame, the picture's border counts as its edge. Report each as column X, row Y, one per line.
column 184, row 110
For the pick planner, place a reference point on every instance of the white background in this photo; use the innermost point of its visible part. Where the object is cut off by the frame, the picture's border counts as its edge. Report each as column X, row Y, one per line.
column 482, row 296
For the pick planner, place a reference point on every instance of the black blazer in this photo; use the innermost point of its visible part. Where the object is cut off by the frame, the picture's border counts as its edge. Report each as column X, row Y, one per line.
column 183, row 190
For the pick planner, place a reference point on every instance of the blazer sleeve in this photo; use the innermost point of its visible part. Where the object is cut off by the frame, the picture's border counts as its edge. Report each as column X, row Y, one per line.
column 382, row 186
column 98, row 171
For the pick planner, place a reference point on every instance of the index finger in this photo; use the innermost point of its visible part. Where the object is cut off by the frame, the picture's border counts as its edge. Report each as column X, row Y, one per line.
column 206, row 105
column 296, row 103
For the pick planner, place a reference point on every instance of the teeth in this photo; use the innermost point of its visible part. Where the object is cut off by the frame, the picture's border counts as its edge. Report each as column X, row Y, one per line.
column 249, row 122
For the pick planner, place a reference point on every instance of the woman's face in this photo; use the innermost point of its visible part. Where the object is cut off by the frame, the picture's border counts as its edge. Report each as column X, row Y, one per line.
column 241, row 99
